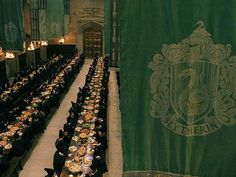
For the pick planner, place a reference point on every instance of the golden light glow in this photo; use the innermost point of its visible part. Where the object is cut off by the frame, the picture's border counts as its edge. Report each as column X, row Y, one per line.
column 62, row 40
column 9, row 55
column 1, row 52
column 31, row 46
column 44, row 43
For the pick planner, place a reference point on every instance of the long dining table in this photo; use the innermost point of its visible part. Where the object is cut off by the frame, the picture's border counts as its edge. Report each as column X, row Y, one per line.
column 18, row 126
column 83, row 143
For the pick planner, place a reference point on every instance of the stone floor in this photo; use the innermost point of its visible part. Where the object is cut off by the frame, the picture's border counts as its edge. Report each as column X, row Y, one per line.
column 42, row 154
column 114, row 158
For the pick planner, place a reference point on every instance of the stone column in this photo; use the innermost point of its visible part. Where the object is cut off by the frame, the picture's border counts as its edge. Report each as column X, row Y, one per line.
column 11, row 66
column 43, row 52
column 30, row 57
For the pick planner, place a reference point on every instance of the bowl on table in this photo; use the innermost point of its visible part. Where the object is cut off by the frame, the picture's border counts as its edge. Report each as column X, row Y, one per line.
column 73, row 148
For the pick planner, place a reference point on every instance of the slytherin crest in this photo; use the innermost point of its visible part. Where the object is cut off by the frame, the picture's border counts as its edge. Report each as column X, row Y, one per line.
column 11, row 32
column 193, row 85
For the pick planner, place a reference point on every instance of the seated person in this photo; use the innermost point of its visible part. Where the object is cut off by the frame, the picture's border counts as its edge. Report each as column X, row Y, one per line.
column 27, row 135
column 18, row 147
column 61, row 145
column 2, row 126
column 58, row 162
column 99, row 166
column 42, row 119
column 68, row 127
column 10, row 116
column 101, row 149
column 36, row 125
column 4, row 162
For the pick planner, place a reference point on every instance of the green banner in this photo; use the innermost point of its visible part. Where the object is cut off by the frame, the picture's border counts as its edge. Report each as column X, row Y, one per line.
column 178, row 96
column 33, row 4
column 107, row 25
column 66, row 24
column 42, row 24
column 11, row 24
column 55, row 19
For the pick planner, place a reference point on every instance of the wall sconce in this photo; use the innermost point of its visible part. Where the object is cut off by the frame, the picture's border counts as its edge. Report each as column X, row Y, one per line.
column 31, row 46
column 62, row 40
column 9, row 55
column 1, row 52
column 44, row 43
column 24, row 45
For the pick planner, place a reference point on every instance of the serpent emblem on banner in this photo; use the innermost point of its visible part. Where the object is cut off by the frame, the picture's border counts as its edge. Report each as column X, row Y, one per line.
column 193, row 85
column 42, row 24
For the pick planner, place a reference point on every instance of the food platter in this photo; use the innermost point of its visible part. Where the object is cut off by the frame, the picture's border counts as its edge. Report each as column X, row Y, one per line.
column 15, row 128
column 80, row 121
column 92, row 126
column 78, row 129
column 96, row 111
column 68, row 163
column 10, row 133
column 83, row 135
column 82, row 151
column 74, row 168
column 75, row 138
column 8, row 146
column 73, row 148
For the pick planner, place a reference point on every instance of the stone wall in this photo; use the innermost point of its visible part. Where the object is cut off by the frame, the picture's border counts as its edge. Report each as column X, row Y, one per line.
column 84, row 14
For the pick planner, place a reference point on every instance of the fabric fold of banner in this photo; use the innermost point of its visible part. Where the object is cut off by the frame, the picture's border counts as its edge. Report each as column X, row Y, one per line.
column 55, row 18
column 178, row 104
column 11, row 24
column 66, row 24
column 107, row 26
column 42, row 24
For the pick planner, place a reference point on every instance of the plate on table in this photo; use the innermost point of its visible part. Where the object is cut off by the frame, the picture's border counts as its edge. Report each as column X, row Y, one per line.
column 15, row 128
column 90, row 107
column 83, row 135
column 91, row 134
column 20, row 133
column 35, row 105
column 3, row 143
column 10, row 133
column 9, row 126
column 86, row 125
column 78, row 129
column 75, row 138
column 82, row 151
column 38, row 101
column 83, row 113
column 92, row 126
column 91, row 140
column 68, row 163
column 72, row 148
column 8, row 146
column 78, row 159
column 87, row 162
column 80, row 121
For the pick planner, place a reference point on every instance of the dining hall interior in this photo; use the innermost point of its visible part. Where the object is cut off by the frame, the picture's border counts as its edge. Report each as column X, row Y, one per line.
column 117, row 88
